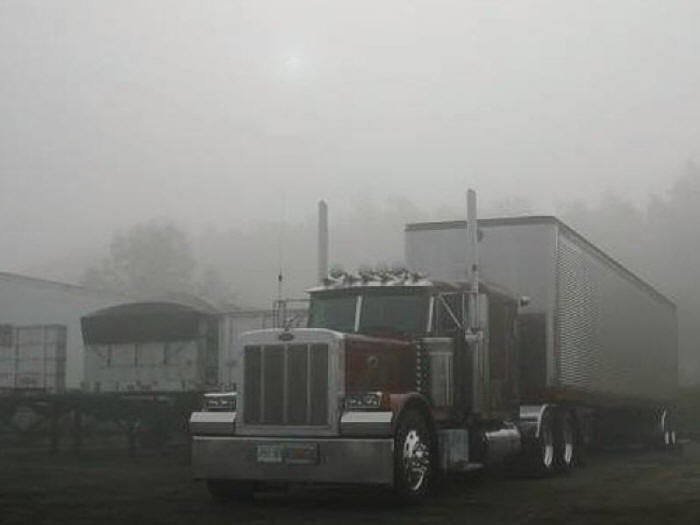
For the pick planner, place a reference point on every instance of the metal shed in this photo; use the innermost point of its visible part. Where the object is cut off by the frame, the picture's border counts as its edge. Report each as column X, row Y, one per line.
column 28, row 301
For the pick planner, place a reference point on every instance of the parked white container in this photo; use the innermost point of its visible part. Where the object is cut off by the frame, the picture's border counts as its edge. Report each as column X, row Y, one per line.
column 33, row 358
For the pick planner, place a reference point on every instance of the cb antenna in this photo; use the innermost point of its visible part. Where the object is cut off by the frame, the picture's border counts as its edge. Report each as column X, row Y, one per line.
column 280, row 250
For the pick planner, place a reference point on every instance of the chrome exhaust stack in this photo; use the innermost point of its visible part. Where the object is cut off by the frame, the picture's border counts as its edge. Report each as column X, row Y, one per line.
column 473, row 320
column 322, row 253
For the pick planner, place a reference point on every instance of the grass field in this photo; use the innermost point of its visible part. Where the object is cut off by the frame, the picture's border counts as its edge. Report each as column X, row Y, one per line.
column 109, row 488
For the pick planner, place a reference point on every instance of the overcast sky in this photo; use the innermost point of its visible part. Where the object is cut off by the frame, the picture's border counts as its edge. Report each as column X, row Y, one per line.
column 223, row 112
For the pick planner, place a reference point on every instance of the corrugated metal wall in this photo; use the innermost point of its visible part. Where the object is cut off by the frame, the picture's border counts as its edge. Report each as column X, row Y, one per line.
column 26, row 301
column 612, row 335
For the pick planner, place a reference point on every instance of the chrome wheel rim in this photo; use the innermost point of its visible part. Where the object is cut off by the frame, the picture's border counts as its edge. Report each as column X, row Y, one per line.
column 547, row 447
column 416, row 460
column 568, row 452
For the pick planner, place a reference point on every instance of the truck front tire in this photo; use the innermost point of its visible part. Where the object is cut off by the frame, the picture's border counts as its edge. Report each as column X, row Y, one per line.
column 414, row 458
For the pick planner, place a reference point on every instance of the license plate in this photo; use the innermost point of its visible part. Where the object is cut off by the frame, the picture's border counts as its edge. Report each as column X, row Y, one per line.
column 289, row 453
column 301, row 454
column 270, row 453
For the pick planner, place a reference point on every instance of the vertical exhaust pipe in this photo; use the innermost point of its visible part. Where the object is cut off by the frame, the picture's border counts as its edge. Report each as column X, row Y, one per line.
column 322, row 261
column 473, row 333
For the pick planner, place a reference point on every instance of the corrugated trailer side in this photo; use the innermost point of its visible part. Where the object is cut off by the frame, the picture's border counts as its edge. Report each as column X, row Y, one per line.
column 615, row 335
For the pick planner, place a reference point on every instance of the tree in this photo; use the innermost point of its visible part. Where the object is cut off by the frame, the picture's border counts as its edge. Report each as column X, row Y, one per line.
column 674, row 221
column 212, row 286
column 147, row 260
column 659, row 242
column 617, row 226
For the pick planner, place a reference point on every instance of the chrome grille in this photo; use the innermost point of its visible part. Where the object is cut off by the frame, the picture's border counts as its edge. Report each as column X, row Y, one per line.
column 285, row 384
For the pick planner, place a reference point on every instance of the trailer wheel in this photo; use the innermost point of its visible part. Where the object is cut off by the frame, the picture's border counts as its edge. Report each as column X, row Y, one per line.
column 670, row 438
column 224, row 491
column 669, row 433
column 414, row 467
column 565, row 441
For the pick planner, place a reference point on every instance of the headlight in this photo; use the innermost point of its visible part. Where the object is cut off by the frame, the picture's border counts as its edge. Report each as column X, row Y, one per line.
column 367, row 401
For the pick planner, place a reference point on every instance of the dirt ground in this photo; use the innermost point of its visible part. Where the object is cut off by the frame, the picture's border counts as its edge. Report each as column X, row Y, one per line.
column 104, row 488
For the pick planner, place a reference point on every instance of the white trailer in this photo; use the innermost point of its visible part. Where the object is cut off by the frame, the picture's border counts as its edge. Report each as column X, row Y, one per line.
column 166, row 346
column 593, row 331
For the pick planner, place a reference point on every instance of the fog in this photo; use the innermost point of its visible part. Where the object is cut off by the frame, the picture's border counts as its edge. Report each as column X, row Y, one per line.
column 231, row 119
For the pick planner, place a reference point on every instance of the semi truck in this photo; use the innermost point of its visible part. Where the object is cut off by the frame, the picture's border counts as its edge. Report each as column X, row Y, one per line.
column 506, row 340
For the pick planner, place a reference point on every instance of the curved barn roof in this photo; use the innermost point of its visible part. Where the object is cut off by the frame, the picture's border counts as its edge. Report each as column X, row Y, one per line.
column 147, row 321
column 179, row 304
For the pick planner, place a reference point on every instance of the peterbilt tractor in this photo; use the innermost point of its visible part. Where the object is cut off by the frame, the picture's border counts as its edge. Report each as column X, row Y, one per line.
column 509, row 340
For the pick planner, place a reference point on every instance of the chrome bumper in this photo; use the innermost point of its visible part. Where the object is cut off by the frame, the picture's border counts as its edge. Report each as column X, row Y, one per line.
column 340, row 460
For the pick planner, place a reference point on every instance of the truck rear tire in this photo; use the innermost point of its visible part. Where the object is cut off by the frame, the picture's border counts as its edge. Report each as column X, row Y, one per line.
column 224, row 491
column 565, row 442
column 414, row 458
column 540, row 450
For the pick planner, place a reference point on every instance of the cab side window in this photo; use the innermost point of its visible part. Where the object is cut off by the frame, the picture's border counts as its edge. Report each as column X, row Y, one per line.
column 448, row 314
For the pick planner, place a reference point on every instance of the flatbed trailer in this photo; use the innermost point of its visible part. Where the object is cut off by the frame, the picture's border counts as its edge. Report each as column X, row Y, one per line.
column 67, row 419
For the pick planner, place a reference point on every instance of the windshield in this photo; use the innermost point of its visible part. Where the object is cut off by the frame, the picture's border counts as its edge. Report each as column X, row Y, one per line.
column 381, row 312
column 335, row 312
column 400, row 313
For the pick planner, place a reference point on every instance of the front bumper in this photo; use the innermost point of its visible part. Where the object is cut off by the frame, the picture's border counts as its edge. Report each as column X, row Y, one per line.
column 340, row 460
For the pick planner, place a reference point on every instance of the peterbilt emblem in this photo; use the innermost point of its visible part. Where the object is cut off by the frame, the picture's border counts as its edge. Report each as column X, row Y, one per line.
column 372, row 361
column 285, row 336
